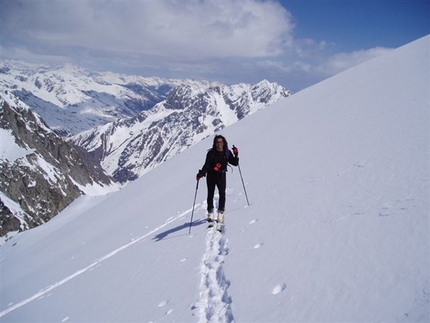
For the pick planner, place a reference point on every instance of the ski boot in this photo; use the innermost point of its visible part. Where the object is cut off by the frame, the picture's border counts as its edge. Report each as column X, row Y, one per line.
column 220, row 221
column 211, row 218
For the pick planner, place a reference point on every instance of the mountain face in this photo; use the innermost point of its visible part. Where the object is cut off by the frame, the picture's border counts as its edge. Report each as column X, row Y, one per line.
column 72, row 99
column 128, row 148
column 41, row 174
column 129, row 123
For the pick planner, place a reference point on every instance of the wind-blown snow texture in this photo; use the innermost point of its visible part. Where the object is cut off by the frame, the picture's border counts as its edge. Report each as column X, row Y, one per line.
column 337, row 231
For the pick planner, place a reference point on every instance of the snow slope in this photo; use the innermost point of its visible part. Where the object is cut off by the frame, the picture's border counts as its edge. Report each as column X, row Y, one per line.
column 337, row 230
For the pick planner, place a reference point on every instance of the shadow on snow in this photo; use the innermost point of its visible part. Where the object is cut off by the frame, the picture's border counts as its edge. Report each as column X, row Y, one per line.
column 186, row 225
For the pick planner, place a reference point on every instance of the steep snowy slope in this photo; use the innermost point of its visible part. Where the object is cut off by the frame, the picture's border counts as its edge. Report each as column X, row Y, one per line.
column 337, row 231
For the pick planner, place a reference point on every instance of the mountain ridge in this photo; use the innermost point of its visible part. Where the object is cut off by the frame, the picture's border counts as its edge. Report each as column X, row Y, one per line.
column 186, row 116
column 45, row 176
column 72, row 99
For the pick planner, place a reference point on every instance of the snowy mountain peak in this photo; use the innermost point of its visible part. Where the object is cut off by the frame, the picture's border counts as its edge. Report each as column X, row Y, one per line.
column 71, row 99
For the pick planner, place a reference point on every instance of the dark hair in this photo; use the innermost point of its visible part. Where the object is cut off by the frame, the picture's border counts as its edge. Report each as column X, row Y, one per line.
column 223, row 139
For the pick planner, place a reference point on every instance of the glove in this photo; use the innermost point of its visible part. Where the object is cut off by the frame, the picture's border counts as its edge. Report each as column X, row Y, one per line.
column 199, row 175
column 235, row 151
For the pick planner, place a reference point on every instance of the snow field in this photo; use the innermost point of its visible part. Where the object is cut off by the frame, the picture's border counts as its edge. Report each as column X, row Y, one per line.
column 337, row 230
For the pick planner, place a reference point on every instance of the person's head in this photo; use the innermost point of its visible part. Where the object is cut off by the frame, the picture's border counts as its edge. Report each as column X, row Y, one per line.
column 220, row 143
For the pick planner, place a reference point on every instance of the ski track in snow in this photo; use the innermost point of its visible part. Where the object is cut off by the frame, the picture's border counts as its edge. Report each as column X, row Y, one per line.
column 214, row 303
column 91, row 266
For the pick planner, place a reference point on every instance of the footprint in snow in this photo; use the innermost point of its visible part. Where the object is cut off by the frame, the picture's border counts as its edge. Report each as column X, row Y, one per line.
column 163, row 303
column 278, row 288
column 258, row 245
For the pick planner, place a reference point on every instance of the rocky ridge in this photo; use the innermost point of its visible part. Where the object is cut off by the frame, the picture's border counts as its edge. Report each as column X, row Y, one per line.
column 41, row 174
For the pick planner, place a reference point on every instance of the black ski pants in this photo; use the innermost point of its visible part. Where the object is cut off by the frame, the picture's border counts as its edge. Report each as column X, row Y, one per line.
column 216, row 180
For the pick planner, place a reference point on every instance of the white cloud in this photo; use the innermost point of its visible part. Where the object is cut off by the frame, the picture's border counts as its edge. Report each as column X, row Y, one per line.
column 342, row 61
column 312, row 64
column 192, row 28
column 225, row 40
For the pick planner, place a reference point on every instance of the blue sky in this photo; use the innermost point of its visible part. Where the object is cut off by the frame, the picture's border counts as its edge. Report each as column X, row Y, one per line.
column 295, row 43
column 354, row 25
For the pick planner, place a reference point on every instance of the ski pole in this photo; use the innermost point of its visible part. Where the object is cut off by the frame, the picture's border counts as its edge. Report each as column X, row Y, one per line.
column 243, row 184
column 194, row 203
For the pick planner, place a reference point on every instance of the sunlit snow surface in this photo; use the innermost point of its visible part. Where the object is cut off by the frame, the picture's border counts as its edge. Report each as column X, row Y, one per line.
column 337, row 230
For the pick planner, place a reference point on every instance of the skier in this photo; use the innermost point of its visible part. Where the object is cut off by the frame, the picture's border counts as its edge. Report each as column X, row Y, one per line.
column 215, row 167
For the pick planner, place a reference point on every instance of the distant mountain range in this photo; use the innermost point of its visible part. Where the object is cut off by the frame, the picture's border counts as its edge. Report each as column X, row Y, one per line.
column 127, row 148
column 71, row 99
column 111, row 127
